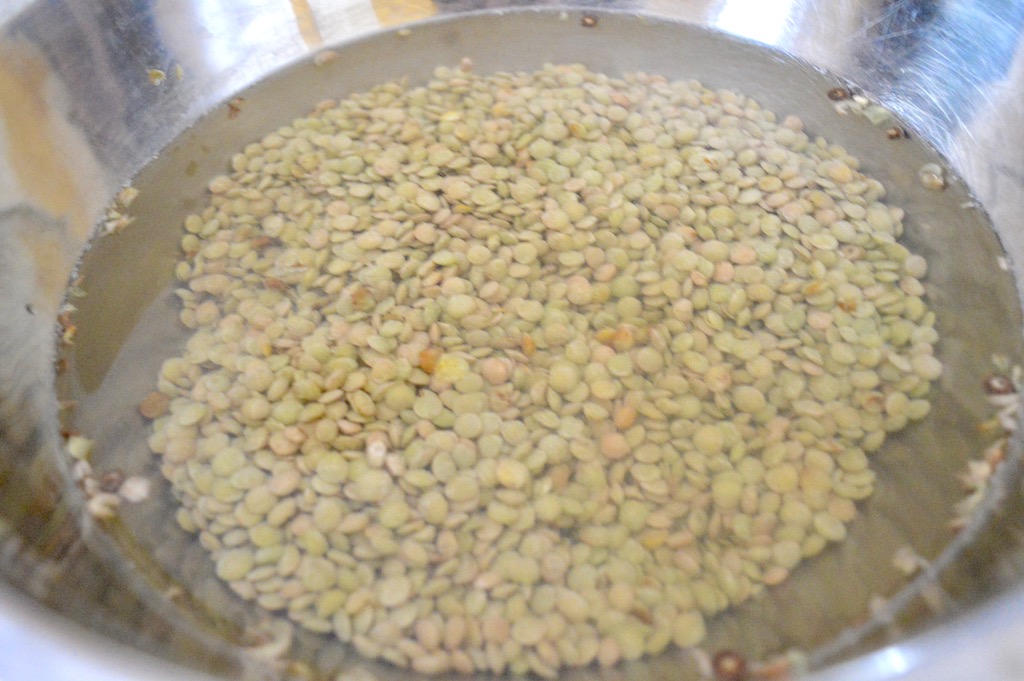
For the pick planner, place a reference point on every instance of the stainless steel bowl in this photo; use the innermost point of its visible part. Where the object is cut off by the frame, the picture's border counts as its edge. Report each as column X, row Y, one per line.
column 91, row 93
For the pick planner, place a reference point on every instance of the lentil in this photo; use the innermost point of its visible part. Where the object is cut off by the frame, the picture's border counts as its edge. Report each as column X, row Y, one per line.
column 489, row 332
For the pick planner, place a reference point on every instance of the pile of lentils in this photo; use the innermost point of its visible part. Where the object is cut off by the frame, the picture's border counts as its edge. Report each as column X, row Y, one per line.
column 536, row 370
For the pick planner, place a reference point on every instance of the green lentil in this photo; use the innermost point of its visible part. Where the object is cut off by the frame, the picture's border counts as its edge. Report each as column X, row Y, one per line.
column 513, row 350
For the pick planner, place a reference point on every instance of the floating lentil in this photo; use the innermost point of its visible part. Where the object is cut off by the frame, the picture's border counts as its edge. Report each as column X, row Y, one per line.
column 534, row 370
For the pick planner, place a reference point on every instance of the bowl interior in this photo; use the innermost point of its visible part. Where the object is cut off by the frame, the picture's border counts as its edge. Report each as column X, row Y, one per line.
column 128, row 321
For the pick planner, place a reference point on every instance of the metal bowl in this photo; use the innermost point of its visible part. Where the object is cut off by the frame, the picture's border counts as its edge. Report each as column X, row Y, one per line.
column 93, row 96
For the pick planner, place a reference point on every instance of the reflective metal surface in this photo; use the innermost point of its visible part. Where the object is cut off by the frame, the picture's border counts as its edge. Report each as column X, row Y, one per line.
column 83, row 110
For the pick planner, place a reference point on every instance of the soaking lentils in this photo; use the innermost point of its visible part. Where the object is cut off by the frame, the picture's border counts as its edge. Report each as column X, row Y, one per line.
column 535, row 370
